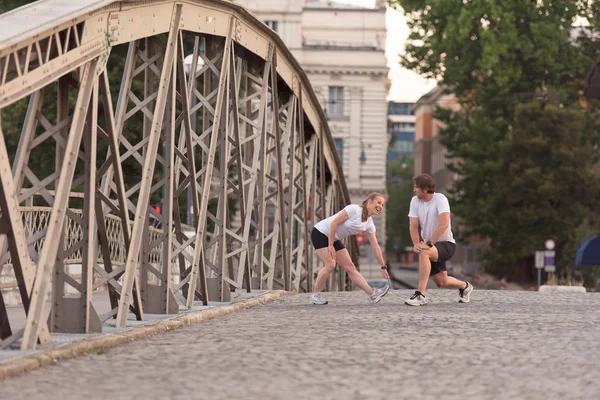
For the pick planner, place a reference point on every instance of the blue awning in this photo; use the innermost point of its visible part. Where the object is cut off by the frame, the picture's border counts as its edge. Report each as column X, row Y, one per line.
column 589, row 252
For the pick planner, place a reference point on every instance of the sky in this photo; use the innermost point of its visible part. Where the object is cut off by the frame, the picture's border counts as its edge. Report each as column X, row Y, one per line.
column 406, row 85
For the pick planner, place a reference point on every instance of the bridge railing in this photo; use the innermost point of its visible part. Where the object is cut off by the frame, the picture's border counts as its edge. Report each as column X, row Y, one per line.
column 35, row 221
column 193, row 104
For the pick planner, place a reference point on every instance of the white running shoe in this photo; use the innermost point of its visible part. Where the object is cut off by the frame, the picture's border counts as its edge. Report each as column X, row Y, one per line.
column 417, row 299
column 316, row 298
column 378, row 293
column 464, row 295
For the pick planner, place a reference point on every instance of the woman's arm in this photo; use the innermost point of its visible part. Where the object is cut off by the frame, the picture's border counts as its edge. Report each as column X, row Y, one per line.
column 378, row 253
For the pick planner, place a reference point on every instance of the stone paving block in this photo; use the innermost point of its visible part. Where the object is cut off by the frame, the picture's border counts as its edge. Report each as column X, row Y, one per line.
column 502, row 345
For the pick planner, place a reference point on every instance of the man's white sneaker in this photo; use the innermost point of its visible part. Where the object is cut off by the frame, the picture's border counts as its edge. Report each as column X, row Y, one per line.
column 378, row 293
column 316, row 298
column 417, row 299
column 464, row 295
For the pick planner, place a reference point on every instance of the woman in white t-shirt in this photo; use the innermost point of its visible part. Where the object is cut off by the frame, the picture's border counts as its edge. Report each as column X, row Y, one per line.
column 326, row 235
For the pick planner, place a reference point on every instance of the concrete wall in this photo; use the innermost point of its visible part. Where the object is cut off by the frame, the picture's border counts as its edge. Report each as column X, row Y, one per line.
column 356, row 27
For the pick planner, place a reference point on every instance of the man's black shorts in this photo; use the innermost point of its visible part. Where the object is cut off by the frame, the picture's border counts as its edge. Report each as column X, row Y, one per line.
column 445, row 252
column 320, row 240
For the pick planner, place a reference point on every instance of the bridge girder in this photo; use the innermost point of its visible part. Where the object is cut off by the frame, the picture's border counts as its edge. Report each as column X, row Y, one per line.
column 242, row 125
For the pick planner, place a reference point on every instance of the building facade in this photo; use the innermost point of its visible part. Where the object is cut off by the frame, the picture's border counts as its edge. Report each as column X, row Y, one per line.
column 401, row 131
column 342, row 50
column 429, row 153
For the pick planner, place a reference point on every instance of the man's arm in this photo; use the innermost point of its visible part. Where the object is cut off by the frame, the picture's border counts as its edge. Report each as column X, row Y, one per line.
column 443, row 224
column 414, row 230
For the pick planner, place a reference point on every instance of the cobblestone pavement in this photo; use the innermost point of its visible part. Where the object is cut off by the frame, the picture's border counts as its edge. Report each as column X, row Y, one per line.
column 503, row 345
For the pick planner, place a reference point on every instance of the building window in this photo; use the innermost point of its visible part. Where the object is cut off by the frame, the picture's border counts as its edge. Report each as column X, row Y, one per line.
column 339, row 146
column 402, row 147
column 403, row 126
column 336, row 101
column 400, row 108
column 272, row 25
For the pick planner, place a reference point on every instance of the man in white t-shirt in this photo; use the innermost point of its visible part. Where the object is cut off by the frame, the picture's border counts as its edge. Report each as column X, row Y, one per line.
column 435, row 243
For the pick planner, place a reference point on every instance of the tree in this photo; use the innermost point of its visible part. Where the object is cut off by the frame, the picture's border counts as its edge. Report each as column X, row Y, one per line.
column 8, row 5
column 547, row 187
column 399, row 188
column 493, row 56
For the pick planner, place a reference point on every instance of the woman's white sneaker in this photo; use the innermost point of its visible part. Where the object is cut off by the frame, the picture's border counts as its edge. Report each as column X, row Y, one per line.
column 464, row 295
column 316, row 298
column 378, row 293
column 417, row 299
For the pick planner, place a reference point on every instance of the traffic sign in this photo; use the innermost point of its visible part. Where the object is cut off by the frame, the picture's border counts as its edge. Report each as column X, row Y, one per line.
column 549, row 260
column 539, row 259
column 549, row 244
column 550, row 268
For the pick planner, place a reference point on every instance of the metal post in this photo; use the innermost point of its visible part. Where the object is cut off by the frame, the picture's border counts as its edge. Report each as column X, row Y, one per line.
column 57, row 219
column 148, row 170
column 189, row 205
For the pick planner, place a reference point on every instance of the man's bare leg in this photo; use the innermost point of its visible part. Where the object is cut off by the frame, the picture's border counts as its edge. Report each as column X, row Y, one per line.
column 424, row 271
column 426, row 256
column 442, row 280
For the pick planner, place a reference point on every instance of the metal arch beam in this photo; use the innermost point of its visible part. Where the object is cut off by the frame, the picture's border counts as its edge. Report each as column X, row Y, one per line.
column 50, row 249
column 281, row 161
column 148, row 170
column 260, row 161
column 272, row 177
column 208, row 174
column 12, row 228
column 106, row 23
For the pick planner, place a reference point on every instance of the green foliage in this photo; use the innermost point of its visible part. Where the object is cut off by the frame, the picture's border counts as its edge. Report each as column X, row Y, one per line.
column 7, row 5
column 546, row 189
column 399, row 188
column 496, row 49
column 493, row 56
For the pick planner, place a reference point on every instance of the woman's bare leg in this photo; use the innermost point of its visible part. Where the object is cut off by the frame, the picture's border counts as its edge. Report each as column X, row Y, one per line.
column 343, row 258
column 328, row 267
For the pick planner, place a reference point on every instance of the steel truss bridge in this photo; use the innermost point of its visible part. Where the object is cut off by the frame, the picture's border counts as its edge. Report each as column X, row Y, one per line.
column 236, row 136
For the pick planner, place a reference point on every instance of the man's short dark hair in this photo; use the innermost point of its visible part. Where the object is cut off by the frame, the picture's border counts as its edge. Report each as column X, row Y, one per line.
column 424, row 182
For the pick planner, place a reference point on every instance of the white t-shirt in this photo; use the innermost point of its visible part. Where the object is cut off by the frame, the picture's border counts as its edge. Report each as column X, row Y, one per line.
column 351, row 226
column 428, row 213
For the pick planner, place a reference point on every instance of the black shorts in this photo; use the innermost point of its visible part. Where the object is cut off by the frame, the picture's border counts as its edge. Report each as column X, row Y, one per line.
column 445, row 252
column 320, row 240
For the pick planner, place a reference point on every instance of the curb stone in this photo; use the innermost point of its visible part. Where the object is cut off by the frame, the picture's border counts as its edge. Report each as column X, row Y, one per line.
column 562, row 288
column 104, row 342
